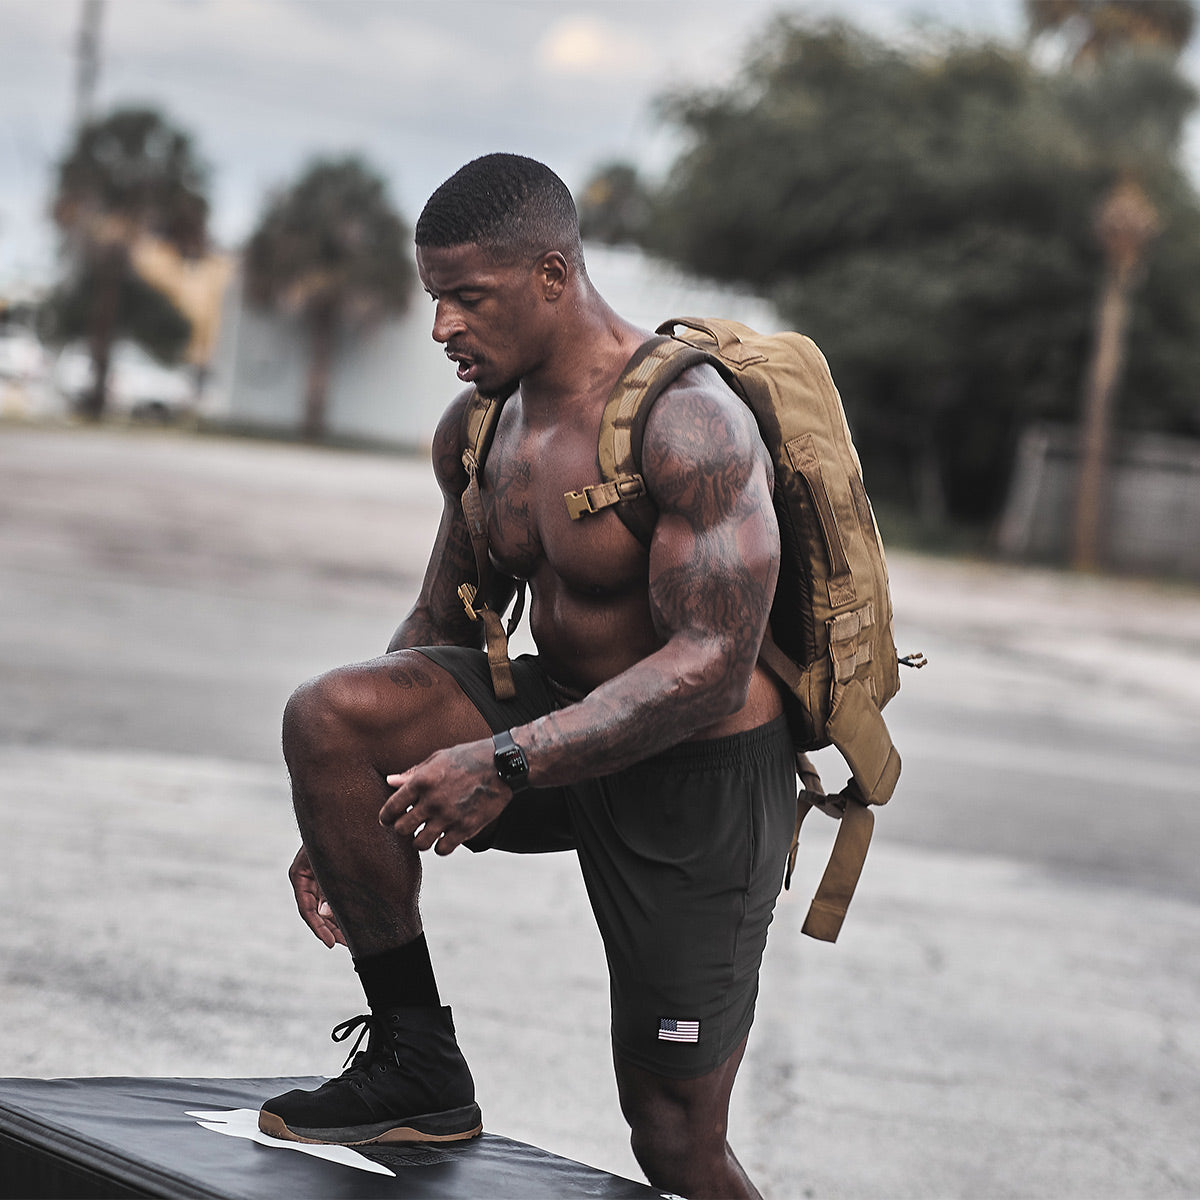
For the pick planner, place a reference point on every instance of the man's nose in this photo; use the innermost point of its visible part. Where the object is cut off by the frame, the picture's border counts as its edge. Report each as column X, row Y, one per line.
column 447, row 321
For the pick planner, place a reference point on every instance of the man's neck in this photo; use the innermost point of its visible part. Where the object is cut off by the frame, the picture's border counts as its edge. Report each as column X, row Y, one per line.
column 590, row 346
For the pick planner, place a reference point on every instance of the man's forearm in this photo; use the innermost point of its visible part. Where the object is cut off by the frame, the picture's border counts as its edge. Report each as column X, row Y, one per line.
column 654, row 704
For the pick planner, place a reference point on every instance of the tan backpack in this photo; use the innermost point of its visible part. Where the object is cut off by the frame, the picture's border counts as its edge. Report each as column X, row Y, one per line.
column 830, row 635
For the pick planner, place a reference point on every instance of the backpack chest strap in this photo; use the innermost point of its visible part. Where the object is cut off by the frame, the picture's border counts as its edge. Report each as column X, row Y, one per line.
column 603, row 495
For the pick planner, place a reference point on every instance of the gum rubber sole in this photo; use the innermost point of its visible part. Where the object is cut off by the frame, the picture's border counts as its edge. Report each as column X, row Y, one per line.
column 381, row 1132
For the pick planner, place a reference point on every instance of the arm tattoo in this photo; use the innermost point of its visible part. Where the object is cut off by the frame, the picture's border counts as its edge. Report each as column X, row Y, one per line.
column 713, row 566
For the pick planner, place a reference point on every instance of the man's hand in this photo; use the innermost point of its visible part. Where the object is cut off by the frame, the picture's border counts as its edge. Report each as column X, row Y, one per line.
column 311, row 902
column 446, row 799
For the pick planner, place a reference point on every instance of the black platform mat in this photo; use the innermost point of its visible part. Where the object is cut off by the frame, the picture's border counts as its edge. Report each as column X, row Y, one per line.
column 77, row 1138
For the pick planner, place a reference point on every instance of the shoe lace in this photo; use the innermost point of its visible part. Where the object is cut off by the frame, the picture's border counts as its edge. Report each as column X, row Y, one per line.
column 367, row 1027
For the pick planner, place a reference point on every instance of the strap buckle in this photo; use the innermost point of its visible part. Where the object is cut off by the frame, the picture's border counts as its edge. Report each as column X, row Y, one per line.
column 466, row 593
column 598, row 496
column 579, row 504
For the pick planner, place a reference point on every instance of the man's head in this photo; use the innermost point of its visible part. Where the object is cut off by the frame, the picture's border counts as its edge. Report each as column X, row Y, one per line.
column 512, row 207
column 498, row 249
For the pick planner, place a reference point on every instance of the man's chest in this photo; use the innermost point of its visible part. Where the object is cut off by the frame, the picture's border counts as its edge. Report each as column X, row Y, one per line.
column 525, row 480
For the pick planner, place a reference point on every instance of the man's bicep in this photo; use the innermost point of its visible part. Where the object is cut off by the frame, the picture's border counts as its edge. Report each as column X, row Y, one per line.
column 715, row 553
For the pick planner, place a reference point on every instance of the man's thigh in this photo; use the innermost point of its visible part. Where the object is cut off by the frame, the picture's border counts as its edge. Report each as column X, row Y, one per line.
column 683, row 857
column 536, row 821
column 403, row 705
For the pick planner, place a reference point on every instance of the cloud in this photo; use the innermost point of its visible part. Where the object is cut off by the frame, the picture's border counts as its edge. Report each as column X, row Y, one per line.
column 580, row 45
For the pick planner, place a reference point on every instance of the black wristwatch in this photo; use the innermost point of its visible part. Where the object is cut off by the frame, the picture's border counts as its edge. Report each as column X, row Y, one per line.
column 510, row 761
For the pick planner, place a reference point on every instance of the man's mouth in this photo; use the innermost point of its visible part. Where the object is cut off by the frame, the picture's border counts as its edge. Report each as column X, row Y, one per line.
column 465, row 366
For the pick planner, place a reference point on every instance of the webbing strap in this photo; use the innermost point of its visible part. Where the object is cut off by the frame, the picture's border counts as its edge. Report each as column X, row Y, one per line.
column 856, row 727
column 480, row 423
column 836, row 889
column 784, row 668
column 658, row 362
column 848, row 626
column 603, row 495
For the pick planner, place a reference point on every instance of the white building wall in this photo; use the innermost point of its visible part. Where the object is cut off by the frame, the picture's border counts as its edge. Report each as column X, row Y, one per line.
column 391, row 382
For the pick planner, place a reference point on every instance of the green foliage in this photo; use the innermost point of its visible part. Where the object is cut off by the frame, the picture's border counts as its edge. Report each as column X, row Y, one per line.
column 927, row 215
column 131, row 173
column 331, row 250
column 615, row 205
column 332, row 239
column 142, row 313
column 125, row 176
column 1100, row 27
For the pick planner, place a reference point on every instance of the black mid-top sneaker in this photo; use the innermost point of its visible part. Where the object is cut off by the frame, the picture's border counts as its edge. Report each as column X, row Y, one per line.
column 410, row 1084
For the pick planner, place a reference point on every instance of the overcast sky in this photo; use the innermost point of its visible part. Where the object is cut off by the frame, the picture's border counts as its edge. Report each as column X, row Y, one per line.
column 418, row 86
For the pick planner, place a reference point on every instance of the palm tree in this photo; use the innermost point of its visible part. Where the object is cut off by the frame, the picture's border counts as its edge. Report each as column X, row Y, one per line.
column 126, row 176
column 1125, row 223
column 331, row 250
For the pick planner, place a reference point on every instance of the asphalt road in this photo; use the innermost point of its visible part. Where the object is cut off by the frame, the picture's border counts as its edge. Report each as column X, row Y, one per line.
column 1010, row 1012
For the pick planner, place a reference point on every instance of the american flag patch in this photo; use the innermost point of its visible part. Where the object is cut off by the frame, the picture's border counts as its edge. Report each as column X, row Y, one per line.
column 670, row 1030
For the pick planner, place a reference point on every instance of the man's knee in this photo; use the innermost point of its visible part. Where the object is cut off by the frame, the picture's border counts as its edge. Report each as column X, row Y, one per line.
column 679, row 1151
column 671, row 1132
column 326, row 714
column 400, row 707
column 678, row 1128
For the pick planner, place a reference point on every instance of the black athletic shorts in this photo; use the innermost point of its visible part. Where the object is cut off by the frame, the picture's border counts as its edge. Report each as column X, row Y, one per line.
column 683, row 858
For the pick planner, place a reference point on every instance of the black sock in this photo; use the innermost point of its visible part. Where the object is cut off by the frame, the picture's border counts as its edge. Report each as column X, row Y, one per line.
column 399, row 977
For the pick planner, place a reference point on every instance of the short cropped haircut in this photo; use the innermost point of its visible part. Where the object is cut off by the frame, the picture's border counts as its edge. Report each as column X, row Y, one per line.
column 511, row 206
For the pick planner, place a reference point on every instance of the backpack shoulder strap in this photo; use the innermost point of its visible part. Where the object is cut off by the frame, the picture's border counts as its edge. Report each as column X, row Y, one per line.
column 480, row 418
column 478, row 428
column 657, row 363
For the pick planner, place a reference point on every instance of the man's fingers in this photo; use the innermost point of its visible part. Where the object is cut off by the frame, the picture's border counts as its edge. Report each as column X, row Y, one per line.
column 402, row 822
column 399, row 804
column 427, row 837
column 310, row 912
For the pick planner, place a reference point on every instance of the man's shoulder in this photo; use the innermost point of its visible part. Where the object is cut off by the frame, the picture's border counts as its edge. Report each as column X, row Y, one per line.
column 699, row 416
column 448, row 442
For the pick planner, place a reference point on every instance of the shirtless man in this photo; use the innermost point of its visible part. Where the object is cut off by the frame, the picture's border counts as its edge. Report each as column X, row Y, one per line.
column 644, row 734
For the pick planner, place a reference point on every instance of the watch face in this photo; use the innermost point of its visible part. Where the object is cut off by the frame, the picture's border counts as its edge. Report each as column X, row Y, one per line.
column 511, row 763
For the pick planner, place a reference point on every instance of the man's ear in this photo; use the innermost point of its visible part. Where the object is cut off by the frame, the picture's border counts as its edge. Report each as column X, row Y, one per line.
column 553, row 274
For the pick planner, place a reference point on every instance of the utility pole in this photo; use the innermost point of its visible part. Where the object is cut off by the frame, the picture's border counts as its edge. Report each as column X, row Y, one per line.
column 87, row 58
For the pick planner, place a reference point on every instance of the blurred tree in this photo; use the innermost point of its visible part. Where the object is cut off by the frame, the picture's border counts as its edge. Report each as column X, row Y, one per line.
column 1110, row 38
column 126, row 176
column 331, row 250
column 923, row 214
column 615, row 205
column 1096, row 28
column 140, row 310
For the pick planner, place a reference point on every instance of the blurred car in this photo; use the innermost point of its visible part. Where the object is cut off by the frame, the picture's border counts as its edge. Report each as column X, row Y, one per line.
column 139, row 385
column 22, row 357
